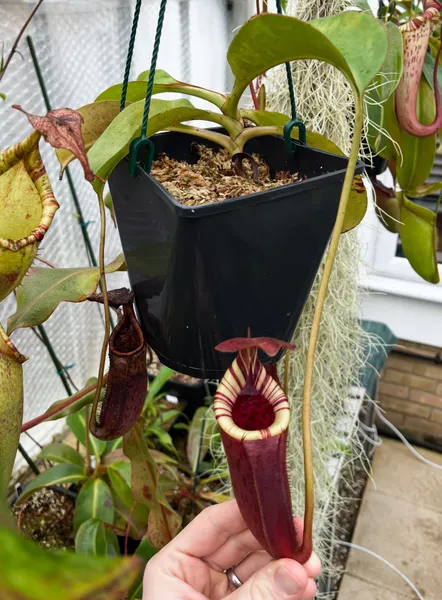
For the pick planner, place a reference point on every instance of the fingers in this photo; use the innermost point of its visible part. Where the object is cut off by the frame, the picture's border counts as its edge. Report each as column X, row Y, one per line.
column 210, row 530
column 234, row 550
column 313, row 566
column 257, row 560
column 283, row 579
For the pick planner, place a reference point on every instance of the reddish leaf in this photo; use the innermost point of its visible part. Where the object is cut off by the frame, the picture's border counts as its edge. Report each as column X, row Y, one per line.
column 61, row 128
column 164, row 522
column 268, row 345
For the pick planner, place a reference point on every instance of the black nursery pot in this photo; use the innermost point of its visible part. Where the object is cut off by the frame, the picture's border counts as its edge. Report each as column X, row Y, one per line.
column 207, row 273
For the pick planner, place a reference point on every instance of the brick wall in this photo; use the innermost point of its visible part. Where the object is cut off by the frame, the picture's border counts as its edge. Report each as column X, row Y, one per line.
column 410, row 391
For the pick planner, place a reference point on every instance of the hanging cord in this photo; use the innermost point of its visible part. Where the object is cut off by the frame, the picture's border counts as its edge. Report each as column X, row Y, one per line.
column 130, row 53
column 143, row 140
column 290, row 144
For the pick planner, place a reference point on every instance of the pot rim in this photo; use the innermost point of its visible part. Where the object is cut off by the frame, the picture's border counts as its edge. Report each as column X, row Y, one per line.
column 269, row 195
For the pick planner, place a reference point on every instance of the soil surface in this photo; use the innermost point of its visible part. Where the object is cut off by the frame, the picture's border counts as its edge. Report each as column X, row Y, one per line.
column 213, row 178
column 47, row 518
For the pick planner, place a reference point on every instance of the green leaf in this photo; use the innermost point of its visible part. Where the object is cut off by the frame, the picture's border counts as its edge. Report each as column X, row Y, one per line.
column 163, row 83
column 58, row 475
column 119, row 474
column 158, row 383
column 362, row 4
column 164, row 522
column 77, row 423
column 113, row 145
column 418, row 152
column 168, row 418
column 418, row 238
column 357, row 202
column 200, row 432
column 124, row 517
column 428, row 72
column 112, row 445
column 62, row 453
column 94, row 502
column 380, row 98
column 96, row 118
column 387, row 80
column 75, row 406
column 162, row 436
column 383, row 118
column 388, row 207
column 269, row 40
column 43, row 289
column 109, row 205
column 11, row 407
column 94, row 539
column 27, row 572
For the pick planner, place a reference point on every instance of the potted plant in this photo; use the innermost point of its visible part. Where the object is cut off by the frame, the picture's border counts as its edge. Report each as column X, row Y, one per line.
column 109, row 134
column 403, row 127
column 223, row 264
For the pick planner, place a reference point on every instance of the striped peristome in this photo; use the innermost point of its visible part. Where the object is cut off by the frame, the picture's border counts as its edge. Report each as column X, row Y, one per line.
column 246, row 368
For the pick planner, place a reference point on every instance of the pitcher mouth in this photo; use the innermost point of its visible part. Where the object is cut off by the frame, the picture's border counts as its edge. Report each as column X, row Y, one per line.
column 249, row 404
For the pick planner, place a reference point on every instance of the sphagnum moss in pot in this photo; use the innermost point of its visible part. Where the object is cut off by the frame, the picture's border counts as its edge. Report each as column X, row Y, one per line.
column 209, row 272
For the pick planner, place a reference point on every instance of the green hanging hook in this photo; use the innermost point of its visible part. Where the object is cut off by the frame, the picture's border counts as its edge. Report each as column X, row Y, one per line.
column 143, row 141
column 291, row 144
column 134, row 151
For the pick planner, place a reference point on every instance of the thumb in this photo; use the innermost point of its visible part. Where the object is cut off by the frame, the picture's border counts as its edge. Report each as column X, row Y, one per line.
column 282, row 579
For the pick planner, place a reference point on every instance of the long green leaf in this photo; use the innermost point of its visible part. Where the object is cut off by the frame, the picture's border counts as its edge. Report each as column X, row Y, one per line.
column 58, row 475
column 198, row 442
column 77, row 423
column 115, row 142
column 163, row 83
column 119, row 474
column 94, row 502
column 62, row 453
column 43, row 289
column 164, row 522
column 11, row 407
column 418, row 238
column 27, row 572
column 418, row 152
column 269, row 40
column 75, row 406
column 158, row 383
column 94, row 539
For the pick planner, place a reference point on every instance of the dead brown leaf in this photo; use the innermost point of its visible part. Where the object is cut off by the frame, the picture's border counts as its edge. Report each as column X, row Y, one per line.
column 61, row 128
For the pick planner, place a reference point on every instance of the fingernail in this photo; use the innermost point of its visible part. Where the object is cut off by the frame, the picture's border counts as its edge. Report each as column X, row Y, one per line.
column 286, row 583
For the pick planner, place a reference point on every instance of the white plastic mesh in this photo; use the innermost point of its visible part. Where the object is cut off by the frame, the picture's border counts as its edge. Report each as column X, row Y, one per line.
column 81, row 47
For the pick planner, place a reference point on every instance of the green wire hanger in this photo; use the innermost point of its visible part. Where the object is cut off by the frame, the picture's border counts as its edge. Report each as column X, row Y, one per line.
column 290, row 143
column 143, row 141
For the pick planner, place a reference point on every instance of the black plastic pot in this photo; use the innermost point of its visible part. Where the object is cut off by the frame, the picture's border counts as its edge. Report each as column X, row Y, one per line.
column 205, row 274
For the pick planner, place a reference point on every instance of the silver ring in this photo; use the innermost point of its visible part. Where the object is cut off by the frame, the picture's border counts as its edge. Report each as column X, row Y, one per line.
column 233, row 578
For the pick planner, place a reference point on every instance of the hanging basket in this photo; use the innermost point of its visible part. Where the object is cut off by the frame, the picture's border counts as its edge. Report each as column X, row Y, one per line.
column 208, row 273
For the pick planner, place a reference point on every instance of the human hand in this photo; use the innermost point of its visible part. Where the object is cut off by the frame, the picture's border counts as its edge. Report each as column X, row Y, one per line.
column 191, row 566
